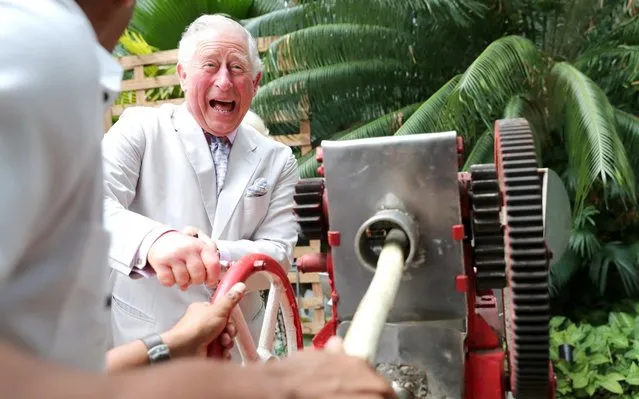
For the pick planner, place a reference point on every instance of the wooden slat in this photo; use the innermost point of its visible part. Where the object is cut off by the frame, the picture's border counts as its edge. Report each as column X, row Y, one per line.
column 150, row 83
column 159, row 58
column 305, row 278
column 293, row 140
column 311, row 303
column 118, row 109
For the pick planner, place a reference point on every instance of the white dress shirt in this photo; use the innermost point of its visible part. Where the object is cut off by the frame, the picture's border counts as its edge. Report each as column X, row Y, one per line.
column 55, row 82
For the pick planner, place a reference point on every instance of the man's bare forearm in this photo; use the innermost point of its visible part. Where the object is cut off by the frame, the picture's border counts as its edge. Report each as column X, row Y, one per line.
column 24, row 376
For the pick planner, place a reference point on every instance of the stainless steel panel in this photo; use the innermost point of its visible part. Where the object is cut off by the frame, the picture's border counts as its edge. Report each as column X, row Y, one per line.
column 419, row 174
column 436, row 349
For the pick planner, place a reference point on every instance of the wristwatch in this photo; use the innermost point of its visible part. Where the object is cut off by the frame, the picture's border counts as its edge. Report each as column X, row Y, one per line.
column 157, row 350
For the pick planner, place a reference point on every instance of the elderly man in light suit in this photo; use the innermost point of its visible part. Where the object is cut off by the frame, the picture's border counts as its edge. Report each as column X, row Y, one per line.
column 196, row 165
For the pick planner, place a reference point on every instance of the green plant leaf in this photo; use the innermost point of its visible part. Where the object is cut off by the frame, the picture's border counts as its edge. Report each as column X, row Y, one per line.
column 633, row 375
column 610, row 384
column 594, row 147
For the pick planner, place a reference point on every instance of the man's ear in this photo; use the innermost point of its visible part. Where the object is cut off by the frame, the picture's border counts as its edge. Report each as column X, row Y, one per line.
column 181, row 73
column 256, row 81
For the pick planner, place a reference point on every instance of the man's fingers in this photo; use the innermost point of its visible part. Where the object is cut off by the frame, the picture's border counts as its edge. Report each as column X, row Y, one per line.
column 181, row 274
column 226, row 340
column 211, row 261
column 196, row 270
column 230, row 329
column 225, row 304
column 165, row 275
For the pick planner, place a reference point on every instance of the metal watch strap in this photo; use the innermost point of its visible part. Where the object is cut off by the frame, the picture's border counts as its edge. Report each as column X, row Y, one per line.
column 157, row 350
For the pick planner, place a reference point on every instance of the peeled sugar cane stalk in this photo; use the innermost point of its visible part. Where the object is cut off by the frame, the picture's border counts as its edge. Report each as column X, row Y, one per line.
column 362, row 338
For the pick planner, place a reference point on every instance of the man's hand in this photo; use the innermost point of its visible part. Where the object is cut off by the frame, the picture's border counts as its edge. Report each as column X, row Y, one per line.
column 182, row 259
column 204, row 322
column 330, row 373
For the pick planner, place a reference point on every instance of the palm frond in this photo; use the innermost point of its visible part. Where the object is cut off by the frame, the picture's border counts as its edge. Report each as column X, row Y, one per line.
column 583, row 240
column 328, row 44
column 386, row 125
column 505, row 68
column 163, row 21
column 614, row 69
column 261, row 7
column 628, row 129
column 425, row 119
column 594, row 148
column 623, row 258
column 562, row 272
column 383, row 126
column 483, row 151
column 337, row 96
column 278, row 22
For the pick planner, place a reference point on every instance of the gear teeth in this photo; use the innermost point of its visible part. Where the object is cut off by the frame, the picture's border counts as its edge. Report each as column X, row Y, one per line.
column 308, row 208
column 528, row 304
column 487, row 233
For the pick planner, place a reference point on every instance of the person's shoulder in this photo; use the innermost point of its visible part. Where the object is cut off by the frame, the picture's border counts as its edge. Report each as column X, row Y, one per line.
column 143, row 114
column 44, row 43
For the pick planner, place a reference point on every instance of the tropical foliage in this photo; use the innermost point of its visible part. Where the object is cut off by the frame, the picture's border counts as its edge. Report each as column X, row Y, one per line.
column 381, row 67
column 603, row 353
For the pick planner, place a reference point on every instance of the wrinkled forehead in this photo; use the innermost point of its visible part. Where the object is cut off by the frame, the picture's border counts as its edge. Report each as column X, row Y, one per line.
column 222, row 42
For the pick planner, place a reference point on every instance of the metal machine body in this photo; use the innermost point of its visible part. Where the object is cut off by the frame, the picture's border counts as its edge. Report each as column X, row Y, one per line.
column 473, row 236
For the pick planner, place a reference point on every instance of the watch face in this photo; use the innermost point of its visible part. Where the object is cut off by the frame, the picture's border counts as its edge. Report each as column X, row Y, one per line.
column 159, row 353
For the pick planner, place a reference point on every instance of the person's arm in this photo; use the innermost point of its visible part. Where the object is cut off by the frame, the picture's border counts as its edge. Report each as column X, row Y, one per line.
column 123, row 147
column 200, row 325
column 277, row 234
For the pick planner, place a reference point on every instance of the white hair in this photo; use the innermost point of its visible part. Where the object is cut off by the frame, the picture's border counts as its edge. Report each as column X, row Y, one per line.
column 207, row 23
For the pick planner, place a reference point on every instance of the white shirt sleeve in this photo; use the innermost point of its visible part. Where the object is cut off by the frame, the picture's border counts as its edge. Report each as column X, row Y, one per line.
column 44, row 122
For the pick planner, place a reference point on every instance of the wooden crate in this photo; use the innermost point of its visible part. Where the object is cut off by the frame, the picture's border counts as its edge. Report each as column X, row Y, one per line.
column 140, row 83
column 316, row 302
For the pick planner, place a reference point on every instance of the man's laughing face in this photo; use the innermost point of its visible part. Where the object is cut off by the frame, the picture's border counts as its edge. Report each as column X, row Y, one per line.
column 218, row 81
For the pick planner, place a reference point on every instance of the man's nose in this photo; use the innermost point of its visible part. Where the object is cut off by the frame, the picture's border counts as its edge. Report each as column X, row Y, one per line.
column 223, row 79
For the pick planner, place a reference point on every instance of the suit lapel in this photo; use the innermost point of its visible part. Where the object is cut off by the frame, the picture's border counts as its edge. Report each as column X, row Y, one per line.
column 243, row 162
column 199, row 155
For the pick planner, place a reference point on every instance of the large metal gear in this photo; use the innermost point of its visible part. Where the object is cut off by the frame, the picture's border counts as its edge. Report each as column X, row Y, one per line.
column 488, row 237
column 308, row 208
column 527, row 302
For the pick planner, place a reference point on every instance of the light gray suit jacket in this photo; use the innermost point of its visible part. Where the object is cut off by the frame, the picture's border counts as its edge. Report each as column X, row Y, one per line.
column 159, row 172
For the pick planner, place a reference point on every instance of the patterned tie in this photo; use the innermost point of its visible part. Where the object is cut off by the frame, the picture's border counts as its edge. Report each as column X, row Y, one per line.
column 220, row 148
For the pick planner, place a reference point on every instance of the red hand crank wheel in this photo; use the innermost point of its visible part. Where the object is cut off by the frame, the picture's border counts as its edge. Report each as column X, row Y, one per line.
column 280, row 299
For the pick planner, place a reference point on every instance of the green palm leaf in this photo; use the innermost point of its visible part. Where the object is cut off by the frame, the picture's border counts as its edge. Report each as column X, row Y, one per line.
column 483, row 151
column 383, row 126
column 425, row 119
column 337, row 96
column 505, row 68
column 562, row 272
column 279, row 22
column 623, row 258
column 594, row 148
column 261, row 7
column 628, row 129
column 328, row 44
column 163, row 21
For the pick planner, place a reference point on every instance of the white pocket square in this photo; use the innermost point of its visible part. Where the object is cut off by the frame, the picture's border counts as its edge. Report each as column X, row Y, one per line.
column 259, row 187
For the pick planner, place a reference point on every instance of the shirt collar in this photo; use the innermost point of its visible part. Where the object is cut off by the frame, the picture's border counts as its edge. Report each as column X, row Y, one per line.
column 230, row 137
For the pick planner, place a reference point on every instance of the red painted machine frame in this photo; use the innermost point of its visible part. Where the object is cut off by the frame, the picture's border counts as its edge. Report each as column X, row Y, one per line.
column 485, row 371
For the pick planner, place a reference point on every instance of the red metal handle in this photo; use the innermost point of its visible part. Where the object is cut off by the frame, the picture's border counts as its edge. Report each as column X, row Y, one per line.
column 312, row 263
column 239, row 272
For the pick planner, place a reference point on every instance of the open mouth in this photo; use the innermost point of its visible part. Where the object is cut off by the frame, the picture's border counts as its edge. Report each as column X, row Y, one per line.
column 225, row 107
